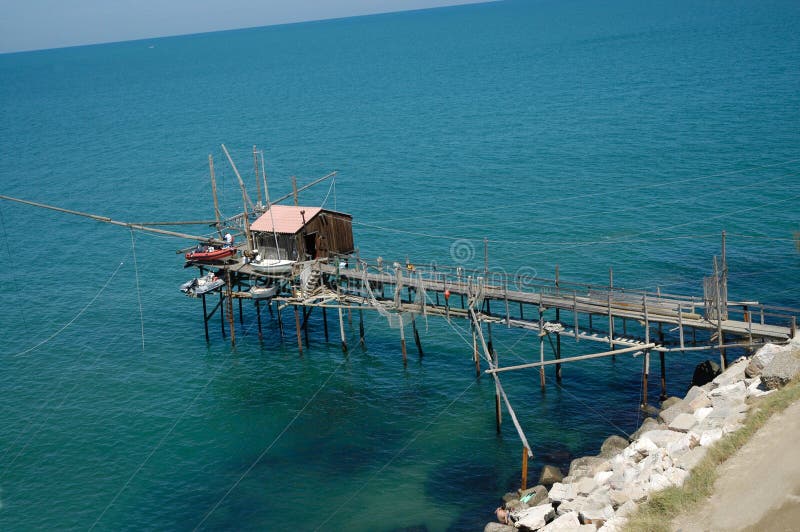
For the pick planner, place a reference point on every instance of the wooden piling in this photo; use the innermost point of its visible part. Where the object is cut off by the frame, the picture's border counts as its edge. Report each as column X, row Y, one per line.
column 524, row 482
column 416, row 336
column 341, row 330
column 663, row 395
column 403, row 339
column 205, row 317
column 297, row 327
column 258, row 318
column 280, row 318
column 541, row 343
column 558, row 334
column 361, row 327
column 325, row 322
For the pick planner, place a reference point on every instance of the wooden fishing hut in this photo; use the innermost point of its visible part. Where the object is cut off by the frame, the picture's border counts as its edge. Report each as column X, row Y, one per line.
column 302, row 233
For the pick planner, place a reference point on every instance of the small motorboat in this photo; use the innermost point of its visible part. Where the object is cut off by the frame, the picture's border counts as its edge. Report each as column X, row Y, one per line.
column 202, row 285
column 204, row 253
column 263, row 292
column 272, row 265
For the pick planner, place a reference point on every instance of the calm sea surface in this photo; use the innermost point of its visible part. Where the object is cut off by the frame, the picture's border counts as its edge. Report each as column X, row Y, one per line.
column 590, row 135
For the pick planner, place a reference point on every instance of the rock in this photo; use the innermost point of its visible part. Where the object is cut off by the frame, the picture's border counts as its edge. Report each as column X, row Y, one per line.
column 550, row 475
column 585, row 486
column 536, row 517
column 640, row 449
column 562, row 492
column 498, row 527
column 613, row 445
column 730, row 392
column 757, row 388
column 785, row 365
column 762, row 358
column 515, row 505
column 533, row 496
column 705, row 372
column 658, row 482
column 666, row 403
column 635, row 492
column 674, row 411
column 701, row 413
column 510, row 496
column 648, row 425
column 697, row 398
column 603, row 476
column 662, row 438
column 683, row 423
column 596, row 515
column 676, row 476
column 710, row 437
column 618, row 498
column 615, row 524
column 627, row 509
column 568, row 521
column 587, row 466
column 735, row 372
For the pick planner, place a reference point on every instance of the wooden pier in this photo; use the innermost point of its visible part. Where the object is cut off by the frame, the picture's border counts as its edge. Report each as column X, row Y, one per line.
column 327, row 273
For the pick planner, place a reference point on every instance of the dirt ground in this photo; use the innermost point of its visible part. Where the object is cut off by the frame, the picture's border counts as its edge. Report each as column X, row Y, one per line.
column 758, row 488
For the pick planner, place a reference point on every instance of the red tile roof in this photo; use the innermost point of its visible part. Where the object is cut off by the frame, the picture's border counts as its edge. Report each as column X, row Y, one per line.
column 288, row 219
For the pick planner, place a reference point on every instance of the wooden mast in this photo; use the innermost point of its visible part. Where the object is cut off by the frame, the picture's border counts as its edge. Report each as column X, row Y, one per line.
column 245, row 200
column 217, row 214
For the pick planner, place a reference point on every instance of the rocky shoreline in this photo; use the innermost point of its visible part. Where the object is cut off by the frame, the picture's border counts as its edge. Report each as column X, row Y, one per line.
column 599, row 492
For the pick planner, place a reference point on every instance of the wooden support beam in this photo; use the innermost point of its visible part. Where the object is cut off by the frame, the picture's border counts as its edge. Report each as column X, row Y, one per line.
column 524, row 482
column 258, row 317
column 205, row 317
column 298, row 328
column 403, row 339
column 578, row 358
column 325, row 322
column 416, row 336
column 361, row 326
column 341, row 330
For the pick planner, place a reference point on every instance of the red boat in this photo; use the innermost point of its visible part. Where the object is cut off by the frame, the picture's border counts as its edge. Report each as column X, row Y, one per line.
column 210, row 254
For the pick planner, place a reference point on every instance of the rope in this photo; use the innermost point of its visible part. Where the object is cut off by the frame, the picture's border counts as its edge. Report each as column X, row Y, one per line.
column 154, row 449
column 266, row 450
column 138, row 292
column 398, row 453
column 78, row 315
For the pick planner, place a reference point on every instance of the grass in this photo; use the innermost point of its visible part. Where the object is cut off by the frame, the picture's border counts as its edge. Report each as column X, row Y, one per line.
column 662, row 507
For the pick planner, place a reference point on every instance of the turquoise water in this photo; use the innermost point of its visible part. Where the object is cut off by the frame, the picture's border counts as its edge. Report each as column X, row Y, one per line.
column 621, row 134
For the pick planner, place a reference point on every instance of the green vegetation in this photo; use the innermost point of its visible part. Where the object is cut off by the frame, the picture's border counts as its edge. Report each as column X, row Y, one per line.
column 657, row 513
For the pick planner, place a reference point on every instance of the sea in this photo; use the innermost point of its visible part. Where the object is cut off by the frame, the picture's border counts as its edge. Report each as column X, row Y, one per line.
column 593, row 137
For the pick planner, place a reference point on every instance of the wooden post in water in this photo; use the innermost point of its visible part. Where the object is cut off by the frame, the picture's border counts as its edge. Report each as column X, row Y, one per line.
column 402, row 339
column 541, row 343
column 205, row 316
column 258, row 317
column 297, row 327
column 416, row 336
column 475, row 356
column 325, row 322
column 280, row 319
column 646, row 371
column 524, row 483
column 361, row 326
column 558, row 335
column 575, row 313
column 229, row 306
column 610, row 315
column 222, row 312
column 341, row 330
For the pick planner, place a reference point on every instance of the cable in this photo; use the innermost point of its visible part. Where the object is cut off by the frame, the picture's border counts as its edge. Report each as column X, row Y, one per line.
column 154, row 449
column 398, row 453
column 78, row 315
column 138, row 291
column 266, row 450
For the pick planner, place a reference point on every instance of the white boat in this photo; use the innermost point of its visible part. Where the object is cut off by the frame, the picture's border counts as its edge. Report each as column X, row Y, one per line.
column 272, row 265
column 263, row 292
column 201, row 285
